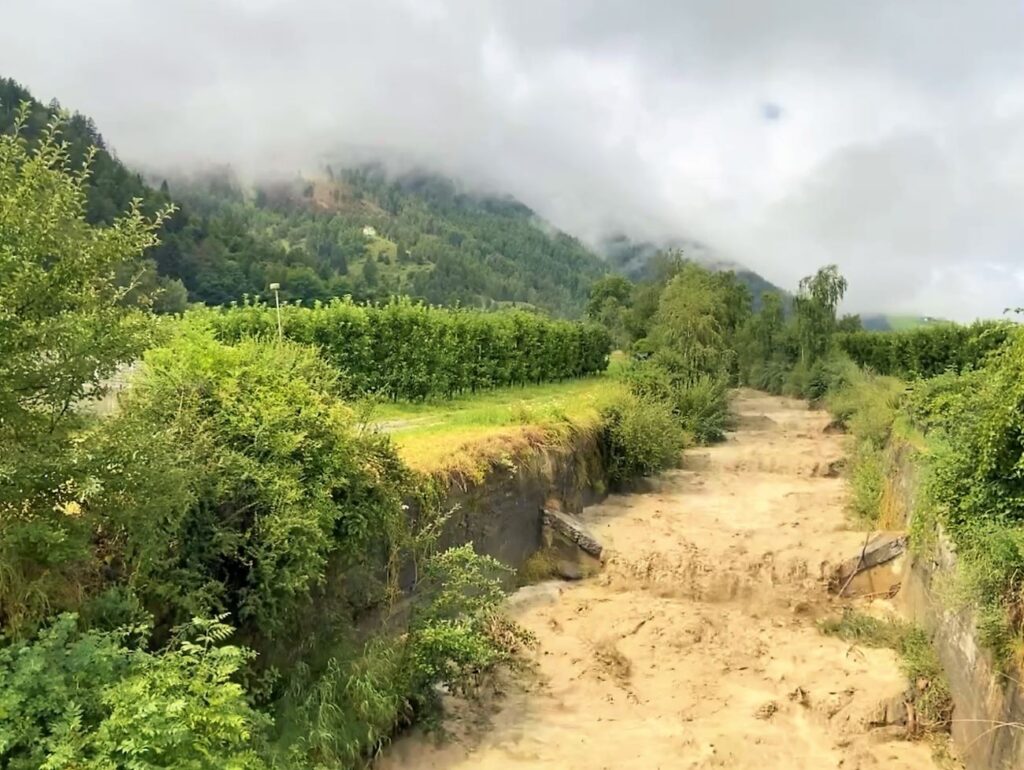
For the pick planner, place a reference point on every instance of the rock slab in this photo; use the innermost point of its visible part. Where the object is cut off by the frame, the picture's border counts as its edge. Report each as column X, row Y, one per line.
column 575, row 552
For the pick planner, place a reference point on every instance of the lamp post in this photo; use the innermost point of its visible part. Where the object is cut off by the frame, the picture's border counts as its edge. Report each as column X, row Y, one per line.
column 275, row 287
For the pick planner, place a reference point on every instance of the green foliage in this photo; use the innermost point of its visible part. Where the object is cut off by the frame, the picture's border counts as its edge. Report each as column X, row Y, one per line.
column 457, row 634
column 65, row 326
column 699, row 313
column 639, row 437
column 407, row 350
column 236, row 474
column 609, row 305
column 97, row 700
column 976, row 485
column 926, row 351
column 768, row 350
column 867, row 481
column 983, row 479
column 815, row 309
column 973, row 484
column 868, row 406
column 456, row 639
column 699, row 403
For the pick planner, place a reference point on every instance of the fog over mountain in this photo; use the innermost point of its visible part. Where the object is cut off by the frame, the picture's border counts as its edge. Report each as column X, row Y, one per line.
column 886, row 137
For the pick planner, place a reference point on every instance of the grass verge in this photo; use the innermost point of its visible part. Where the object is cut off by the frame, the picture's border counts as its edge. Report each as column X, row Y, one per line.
column 459, row 434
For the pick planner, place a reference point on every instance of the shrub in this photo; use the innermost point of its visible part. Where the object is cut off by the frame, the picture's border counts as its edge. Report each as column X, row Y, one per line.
column 703, row 408
column 408, row 350
column 867, row 481
column 700, row 403
column 456, row 639
column 233, row 475
column 96, row 700
column 640, row 436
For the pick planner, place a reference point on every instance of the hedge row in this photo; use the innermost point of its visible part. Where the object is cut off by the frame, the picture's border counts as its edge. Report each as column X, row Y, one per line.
column 408, row 350
column 926, row 351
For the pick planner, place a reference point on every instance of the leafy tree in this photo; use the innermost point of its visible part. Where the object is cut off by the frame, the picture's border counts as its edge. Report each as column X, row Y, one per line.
column 65, row 327
column 815, row 306
column 769, row 323
column 849, row 323
column 614, row 288
column 609, row 305
column 694, row 321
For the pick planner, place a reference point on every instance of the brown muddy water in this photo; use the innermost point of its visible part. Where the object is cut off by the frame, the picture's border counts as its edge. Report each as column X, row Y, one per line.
column 697, row 646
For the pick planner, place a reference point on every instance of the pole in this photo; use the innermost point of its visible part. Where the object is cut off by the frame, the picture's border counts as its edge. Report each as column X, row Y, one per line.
column 277, row 305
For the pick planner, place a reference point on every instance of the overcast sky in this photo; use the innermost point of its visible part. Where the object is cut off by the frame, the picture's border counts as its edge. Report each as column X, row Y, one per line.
column 885, row 136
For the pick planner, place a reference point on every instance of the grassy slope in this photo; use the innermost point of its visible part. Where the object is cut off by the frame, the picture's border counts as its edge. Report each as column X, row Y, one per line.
column 434, row 436
column 901, row 323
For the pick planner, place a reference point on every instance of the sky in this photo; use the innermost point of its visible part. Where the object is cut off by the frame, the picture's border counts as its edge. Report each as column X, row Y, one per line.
column 886, row 137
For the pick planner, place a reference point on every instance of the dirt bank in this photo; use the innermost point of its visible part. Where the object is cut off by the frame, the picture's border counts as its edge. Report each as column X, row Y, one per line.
column 697, row 646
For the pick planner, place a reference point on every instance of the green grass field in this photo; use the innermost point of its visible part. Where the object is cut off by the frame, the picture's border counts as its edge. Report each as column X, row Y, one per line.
column 901, row 323
column 434, row 434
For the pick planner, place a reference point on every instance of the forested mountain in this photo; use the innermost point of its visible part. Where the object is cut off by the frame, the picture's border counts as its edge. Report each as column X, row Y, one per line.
column 371, row 235
column 359, row 232
column 634, row 259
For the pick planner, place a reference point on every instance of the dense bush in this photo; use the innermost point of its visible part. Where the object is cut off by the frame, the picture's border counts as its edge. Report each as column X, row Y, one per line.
column 639, row 436
column 234, row 474
column 699, row 403
column 99, row 701
column 926, row 351
column 407, row 350
column 974, row 476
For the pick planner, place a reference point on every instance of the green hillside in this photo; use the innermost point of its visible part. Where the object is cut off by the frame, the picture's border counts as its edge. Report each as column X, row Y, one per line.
column 881, row 322
column 430, row 239
column 362, row 232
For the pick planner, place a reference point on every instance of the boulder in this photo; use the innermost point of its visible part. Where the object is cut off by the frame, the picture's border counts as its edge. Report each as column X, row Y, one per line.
column 574, row 551
column 881, row 551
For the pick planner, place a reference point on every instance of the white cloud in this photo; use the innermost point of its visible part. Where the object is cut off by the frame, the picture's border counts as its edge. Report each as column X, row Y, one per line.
column 897, row 150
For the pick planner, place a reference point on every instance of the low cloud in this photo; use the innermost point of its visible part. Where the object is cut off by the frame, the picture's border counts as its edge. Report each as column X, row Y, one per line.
column 885, row 137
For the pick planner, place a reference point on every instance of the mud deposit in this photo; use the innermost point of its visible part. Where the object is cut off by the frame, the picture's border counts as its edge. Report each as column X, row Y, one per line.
column 697, row 646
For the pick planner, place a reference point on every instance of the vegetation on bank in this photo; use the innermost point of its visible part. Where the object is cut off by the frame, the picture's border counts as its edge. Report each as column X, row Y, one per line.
column 464, row 435
column 188, row 581
column 930, row 695
column 958, row 432
column 209, row 576
column 407, row 350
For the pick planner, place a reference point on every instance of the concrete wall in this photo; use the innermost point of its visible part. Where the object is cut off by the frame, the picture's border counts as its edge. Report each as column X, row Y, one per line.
column 501, row 515
column 986, row 703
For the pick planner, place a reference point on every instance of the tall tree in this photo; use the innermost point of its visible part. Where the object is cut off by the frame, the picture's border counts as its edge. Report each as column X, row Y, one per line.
column 65, row 327
column 815, row 306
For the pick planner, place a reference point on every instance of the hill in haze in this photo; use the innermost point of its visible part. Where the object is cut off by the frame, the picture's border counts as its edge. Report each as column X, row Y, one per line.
column 362, row 232
column 357, row 231
column 634, row 259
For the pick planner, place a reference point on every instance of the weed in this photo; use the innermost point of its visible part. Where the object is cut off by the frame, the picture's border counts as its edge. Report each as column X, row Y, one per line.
column 918, row 661
column 539, row 567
